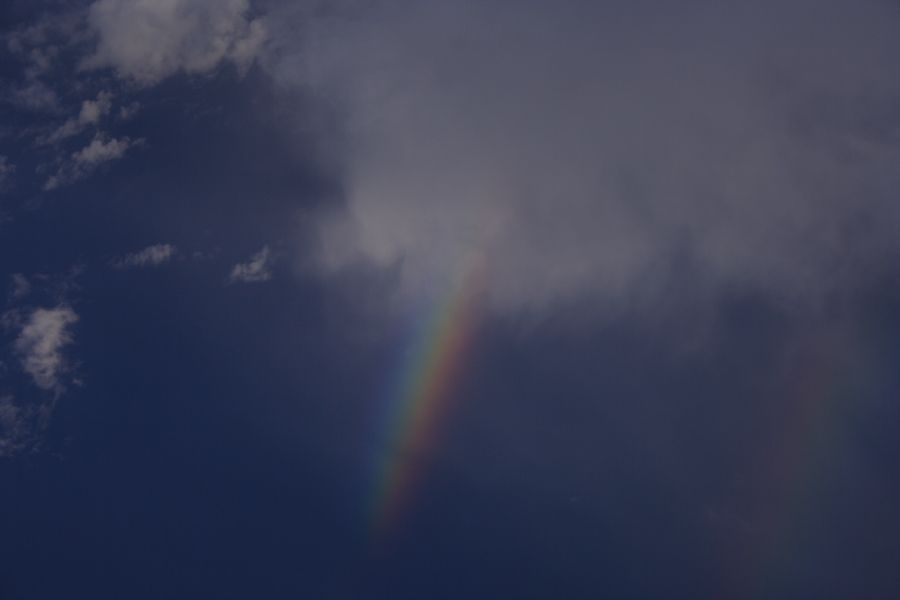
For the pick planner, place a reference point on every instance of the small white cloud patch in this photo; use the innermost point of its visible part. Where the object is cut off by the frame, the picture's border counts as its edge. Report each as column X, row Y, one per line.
column 101, row 150
column 41, row 342
column 258, row 268
column 151, row 256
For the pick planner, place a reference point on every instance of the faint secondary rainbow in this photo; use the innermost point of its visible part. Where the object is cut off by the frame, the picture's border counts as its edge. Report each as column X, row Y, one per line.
column 422, row 393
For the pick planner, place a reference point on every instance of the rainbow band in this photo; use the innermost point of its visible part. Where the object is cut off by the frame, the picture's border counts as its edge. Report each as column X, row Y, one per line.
column 424, row 397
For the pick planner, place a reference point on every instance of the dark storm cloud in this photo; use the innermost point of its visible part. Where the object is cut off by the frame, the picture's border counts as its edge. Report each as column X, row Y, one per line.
column 584, row 146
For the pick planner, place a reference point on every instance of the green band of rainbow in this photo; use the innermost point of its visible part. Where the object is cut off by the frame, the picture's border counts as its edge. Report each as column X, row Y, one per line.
column 422, row 399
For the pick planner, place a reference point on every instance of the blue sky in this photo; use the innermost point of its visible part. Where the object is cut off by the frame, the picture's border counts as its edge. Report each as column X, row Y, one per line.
column 228, row 227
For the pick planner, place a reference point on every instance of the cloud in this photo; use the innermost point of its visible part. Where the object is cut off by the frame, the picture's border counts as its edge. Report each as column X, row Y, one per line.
column 21, row 287
column 603, row 150
column 6, row 170
column 39, row 46
column 148, row 40
column 84, row 161
column 100, row 151
column 127, row 112
column 13, row 427
column 258, row 268
column 35, row 95
column 21, row 424
column 151, row 256
column 90, row 114
column 40, row 345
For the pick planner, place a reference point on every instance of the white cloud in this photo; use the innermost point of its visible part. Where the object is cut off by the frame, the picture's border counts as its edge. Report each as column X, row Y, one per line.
column 148, row 40
column 598, row 150
column 258, row 268
column 91, row 113
column 150, row 256
column 41, row 342
column 99, row 151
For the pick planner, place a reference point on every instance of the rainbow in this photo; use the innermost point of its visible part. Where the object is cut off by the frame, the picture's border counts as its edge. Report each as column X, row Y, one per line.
column 422, row 394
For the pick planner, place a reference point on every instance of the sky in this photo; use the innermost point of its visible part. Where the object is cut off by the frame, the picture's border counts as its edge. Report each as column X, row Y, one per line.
column 387, row 299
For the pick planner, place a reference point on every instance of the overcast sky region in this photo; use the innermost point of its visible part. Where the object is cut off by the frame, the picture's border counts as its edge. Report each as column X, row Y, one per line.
column 395, row 299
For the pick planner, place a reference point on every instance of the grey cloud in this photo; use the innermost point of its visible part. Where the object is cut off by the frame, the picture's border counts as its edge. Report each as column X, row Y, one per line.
column 41, row 342
column 100, row 150
column 35, row 95
column 148, row 40
column 584, row 147
column 6, row 170
column 90, row 114
column 21, row 287
column 150, row 256
column 22, row 422
column 13, row 427
column 127, row 112
column 39, row 46
column 258, row 268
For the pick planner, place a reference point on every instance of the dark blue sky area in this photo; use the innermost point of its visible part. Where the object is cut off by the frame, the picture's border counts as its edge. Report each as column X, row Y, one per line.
column 694, row 402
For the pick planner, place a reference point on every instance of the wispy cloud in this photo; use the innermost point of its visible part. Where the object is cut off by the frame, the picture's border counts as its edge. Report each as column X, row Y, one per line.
column 41, row 342
column 6, row 170
column 35, row 96
column 101, row 150
column 14, row 427
column 39, row 46
column 20, row 288
column 129, row 111
column 91, row 113
column 84, row 161
column 148, row 41
column 258, row 268
column 150, row 256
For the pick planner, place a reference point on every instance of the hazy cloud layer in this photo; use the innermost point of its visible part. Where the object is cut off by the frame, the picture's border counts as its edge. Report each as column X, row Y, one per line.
column 591, row 150
column 151, row 256
column 41, row 342
column 258, row 268
column 148, row 40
